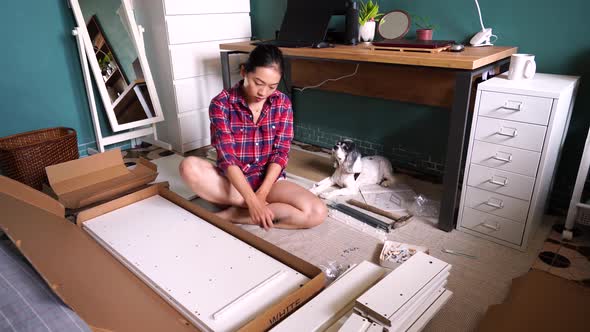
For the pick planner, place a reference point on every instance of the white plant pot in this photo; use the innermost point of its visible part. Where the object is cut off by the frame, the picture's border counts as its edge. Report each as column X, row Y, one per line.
column 367, row 31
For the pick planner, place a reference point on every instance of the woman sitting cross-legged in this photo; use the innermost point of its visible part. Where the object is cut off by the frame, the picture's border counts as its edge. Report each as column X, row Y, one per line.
column 252, row 129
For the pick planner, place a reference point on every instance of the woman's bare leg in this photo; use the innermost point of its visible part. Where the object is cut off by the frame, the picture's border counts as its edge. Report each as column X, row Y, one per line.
column 292, row 205
column 204, row 180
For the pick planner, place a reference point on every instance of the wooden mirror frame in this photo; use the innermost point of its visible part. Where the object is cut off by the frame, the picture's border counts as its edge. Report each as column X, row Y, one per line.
column 395, row 11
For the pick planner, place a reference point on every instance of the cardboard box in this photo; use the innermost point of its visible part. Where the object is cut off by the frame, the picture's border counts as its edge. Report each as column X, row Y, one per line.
column 81, row 182
column 540, row 301
column 96, row 285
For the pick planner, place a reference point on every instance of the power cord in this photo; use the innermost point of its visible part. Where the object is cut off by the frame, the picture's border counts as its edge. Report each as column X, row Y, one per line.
column 328, row 80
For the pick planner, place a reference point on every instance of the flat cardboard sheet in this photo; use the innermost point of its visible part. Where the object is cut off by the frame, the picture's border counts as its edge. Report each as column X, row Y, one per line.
column 93, row 283
column 102, row 290
column 81, row 182
column 25, row 193
column 539, row 301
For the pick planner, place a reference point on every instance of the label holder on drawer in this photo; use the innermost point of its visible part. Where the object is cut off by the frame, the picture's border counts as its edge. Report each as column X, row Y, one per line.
column 500, row 158
column 492, row 180
column 494, row 228
column 501, row 131
column 513, row 105
column 495, row 202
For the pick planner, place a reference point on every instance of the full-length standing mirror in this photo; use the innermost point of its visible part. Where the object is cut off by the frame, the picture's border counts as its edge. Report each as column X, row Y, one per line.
column 116, row 56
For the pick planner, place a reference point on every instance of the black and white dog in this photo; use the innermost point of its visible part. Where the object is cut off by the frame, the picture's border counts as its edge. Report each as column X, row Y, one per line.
column 348, row 163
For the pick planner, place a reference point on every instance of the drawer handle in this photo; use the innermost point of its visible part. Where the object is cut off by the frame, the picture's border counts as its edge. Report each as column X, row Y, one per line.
column 506, row 159
column 513, row 132
column 494, row 202
column 492, row 227
column 513, row 105
column 494, row 181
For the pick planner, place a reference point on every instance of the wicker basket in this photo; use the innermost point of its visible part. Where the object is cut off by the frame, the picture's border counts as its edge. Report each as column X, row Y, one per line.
column 23, row 157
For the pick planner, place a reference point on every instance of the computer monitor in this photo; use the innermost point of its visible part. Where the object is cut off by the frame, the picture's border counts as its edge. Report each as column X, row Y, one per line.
column 306, row 20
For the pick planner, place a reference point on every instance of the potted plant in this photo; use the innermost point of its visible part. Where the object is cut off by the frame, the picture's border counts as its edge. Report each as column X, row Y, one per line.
column 105, row 63
column 368, row 14
column 425, row 28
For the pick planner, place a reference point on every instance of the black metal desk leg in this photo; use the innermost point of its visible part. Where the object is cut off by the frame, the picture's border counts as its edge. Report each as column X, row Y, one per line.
column 454, row 156
column 287, row 78
column 225, row 74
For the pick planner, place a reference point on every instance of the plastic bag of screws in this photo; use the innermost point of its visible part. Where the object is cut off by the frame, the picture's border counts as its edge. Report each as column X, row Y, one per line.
column 332, row 270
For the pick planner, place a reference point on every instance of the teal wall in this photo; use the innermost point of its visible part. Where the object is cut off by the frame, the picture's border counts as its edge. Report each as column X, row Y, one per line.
column 115, row 32
column 41, row 81
column 415, row 137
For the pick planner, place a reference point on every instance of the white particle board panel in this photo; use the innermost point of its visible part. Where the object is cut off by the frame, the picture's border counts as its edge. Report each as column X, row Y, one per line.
column 199, row 269
column 333, row 302
column 184, row 7
column 355, row 323
column 390, row 295
column 197, row 59
column 375, row 328
column 184, row 29
column 432, row 310
column 417, row 307
column 421, row 307
column 168, row 171
column 408, row 312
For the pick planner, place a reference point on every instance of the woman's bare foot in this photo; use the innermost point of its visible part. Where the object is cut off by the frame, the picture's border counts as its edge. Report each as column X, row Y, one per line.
column 228, row 214
column 236, row 215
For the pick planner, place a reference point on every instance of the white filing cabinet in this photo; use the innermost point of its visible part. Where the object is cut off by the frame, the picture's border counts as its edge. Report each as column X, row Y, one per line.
column 182, row 40
column 516, row 137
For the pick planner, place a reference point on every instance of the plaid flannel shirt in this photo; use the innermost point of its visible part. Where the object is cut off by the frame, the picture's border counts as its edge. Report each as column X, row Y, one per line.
column 251, row 146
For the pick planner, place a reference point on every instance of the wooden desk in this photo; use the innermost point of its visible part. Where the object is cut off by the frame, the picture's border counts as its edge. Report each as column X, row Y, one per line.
column 442, row 79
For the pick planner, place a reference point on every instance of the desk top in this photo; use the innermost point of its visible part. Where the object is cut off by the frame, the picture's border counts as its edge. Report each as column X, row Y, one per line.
column 470, row 58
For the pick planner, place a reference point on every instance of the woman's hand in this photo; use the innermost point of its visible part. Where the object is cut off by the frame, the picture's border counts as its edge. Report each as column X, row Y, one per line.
column 259, row 212
column 261, row 193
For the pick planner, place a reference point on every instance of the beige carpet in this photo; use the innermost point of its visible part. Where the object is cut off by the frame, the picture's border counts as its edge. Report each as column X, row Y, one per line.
column 476, row 283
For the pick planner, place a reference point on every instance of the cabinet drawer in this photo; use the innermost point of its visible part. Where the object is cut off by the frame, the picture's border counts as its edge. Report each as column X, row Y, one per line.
column 197, row 59
column 510, row 133
column 194, row 126
column 515, row 107
column 196, row 93
column 496, row 204
column 491, row 225
column 199, row 28
column 505, row 158
column 501, row 182
column 184, row 7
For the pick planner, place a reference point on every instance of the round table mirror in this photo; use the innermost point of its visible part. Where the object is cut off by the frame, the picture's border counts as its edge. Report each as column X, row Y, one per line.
column 394, row 24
